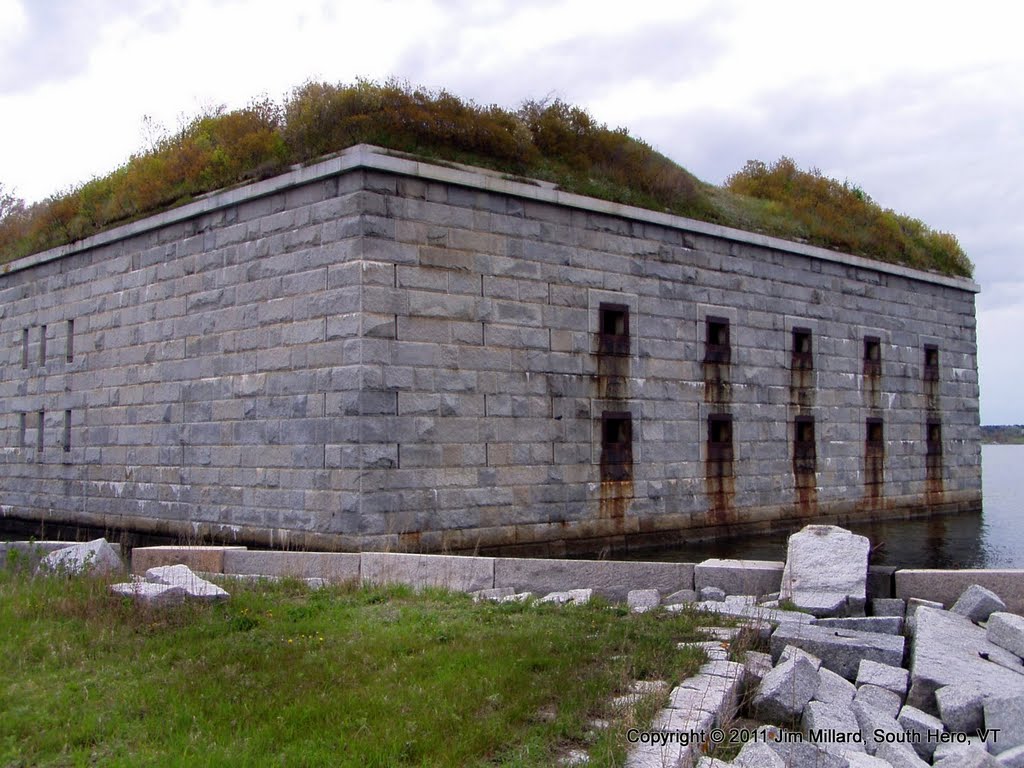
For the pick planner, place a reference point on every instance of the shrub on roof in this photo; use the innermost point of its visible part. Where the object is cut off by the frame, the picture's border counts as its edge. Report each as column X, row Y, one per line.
column 841, row 215
column 549, row 140
column 320, row 118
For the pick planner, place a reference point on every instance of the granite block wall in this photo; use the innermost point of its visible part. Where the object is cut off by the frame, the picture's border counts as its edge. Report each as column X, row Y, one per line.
column 379, row 353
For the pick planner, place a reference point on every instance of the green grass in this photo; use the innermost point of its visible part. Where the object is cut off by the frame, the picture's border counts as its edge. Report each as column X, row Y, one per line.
column 342, row 677
column 549, row 140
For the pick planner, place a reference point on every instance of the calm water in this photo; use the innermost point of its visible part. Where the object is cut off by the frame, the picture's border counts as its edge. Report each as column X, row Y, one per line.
column 993, row 538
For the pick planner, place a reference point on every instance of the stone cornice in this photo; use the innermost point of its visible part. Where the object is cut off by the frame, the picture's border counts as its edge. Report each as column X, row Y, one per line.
column 366, row 156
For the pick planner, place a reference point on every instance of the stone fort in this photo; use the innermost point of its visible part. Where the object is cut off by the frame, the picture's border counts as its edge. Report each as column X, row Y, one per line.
column 377, row 352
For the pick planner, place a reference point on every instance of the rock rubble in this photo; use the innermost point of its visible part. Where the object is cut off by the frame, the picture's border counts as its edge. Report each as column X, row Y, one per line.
column 903, row 687
column 170, row 585
column 96, row 557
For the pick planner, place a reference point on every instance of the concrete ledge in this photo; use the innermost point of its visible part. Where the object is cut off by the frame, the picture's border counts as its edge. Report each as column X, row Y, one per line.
column 332, row 566
column 739, row 577
column 946, row 586
column 462, row 574
column 204, row 559
column 610, row 578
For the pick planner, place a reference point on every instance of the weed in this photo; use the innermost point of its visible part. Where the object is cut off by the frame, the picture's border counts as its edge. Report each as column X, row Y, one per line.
column 787, row 604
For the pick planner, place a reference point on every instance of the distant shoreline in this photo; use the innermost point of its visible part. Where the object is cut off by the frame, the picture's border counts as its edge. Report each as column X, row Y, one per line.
column 1011, row 434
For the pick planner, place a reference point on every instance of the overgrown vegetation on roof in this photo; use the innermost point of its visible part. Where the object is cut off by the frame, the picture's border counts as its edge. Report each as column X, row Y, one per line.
column 808, row 206
column 548, row 140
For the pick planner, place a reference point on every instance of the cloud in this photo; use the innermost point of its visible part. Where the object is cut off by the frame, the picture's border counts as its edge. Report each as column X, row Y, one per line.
column 13, row 22
column 56, row 39
column 932, row 147
column 569, row 50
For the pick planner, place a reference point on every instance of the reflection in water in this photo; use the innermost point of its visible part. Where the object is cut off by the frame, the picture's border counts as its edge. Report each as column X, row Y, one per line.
column 993, row 538
column 950, row 541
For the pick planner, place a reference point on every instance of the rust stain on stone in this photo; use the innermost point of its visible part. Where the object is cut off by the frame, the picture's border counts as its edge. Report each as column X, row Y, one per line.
column 806, row 495
column 805, row 465
column 719, row 481
column 805, row 478
column 874, row 476
column 721, row 491
column 615, row 498
column 616, row 426
column 616, row 465
column 874, row 461
column 719, row 478
column 935, row 490
column 410, row 540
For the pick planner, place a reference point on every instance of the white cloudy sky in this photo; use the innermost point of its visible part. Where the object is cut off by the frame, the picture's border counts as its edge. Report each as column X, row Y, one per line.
column 918, row 102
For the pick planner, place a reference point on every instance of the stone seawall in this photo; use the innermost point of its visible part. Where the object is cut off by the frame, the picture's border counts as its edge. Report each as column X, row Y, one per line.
column 613, row 579
column 378, row 353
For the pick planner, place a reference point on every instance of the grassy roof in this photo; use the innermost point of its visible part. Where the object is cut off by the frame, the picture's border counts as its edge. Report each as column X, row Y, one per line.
column 548, row 140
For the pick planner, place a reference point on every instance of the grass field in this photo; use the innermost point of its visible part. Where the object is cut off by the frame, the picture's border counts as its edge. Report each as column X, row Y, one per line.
column 344, row 676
